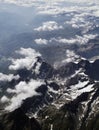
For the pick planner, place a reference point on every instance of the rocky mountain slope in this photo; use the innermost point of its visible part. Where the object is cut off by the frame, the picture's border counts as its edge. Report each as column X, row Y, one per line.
column 67, row 99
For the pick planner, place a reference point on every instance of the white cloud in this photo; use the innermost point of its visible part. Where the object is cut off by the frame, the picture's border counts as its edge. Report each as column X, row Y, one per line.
column 63, row 40
column 82, row 1
column 81, row 21
column 55, row 10
column 4, row 99
column 26, row 3
column 96, row 13
column 71, row 8
column 4, row 77
column 37, row 69
column 70, row 57
column 85, row 38
column 31, row 1
column 49, row 26
column 57, row 7
column 77, row 40
column 22, row 91
column 41, row 41
column 80, row 12
column 27, row 61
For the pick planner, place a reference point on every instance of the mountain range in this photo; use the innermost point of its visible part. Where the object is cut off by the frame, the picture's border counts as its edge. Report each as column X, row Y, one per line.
column 67, row 99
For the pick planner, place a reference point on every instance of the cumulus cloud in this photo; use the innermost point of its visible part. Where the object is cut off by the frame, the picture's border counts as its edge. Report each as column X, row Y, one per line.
column 49, row 26
column 70, row 57
column 80, row 1
column 96, row 13
column 82, row 22
column 27, row 3
column 54, row 10
column 4, row 99
column 30, row 2
column 27, row 61
column 4, row 77
column 22, row 91
column 87, row 8
column 85, row 38
column 76, row 40
column 41, row 41
column 80, row 17
column 73, row 5
column 63, row 40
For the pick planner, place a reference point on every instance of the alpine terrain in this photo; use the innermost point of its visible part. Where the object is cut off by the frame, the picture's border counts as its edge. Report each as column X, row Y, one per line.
column 49, row 64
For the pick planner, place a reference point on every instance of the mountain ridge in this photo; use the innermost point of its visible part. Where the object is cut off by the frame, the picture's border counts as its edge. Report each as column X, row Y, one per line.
column 68, row 97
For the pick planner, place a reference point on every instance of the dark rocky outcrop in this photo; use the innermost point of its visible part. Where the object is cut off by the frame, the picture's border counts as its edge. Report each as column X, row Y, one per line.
column 91, row 69
column 17, row 120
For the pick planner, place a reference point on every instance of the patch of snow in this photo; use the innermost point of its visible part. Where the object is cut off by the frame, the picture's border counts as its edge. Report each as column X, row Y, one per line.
column 80, row 88
column 51, row 127
column 52, row 90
